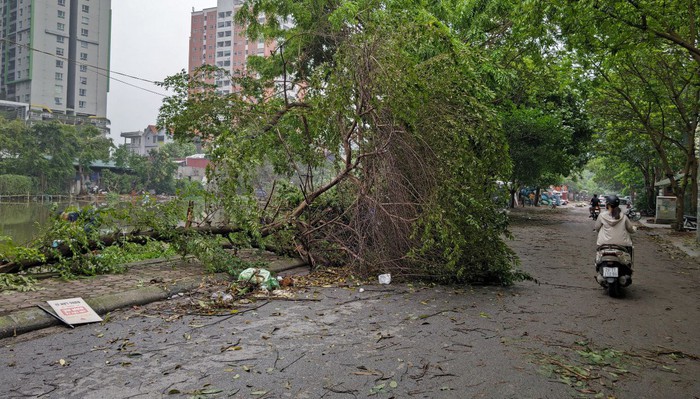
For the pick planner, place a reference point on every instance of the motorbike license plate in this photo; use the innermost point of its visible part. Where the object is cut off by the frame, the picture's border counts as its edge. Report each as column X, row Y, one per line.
column 609, row 272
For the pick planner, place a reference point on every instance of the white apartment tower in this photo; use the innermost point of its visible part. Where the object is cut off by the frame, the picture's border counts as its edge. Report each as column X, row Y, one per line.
column 55, row 58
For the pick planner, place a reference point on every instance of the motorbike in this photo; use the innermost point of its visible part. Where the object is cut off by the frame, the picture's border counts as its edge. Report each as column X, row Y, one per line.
column 633, row 215
column 613, row 265
column 595, row 212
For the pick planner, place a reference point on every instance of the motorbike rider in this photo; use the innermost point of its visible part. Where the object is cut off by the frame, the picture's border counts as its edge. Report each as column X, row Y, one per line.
column 595, row 204
column 613, row 226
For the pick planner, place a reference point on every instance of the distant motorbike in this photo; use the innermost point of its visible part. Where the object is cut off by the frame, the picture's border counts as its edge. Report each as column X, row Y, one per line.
column 613, row 265
column 595, row 212
column 633, row 215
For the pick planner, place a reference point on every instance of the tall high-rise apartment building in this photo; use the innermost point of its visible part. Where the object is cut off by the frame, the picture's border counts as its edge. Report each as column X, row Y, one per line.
column 216, row 40
column 55, row 58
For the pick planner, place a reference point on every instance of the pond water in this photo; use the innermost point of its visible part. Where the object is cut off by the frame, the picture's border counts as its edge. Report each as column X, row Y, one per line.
column 22, row 221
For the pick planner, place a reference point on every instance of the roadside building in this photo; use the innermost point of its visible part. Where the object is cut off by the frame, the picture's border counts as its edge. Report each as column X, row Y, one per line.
column 141, row 142
column 215, row 39
column 193, row 168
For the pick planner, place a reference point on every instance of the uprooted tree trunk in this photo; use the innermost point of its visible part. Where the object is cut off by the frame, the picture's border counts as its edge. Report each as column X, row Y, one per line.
column 64, row 250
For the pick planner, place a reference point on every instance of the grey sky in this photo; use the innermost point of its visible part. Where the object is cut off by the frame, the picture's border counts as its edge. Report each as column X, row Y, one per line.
column 150, row 40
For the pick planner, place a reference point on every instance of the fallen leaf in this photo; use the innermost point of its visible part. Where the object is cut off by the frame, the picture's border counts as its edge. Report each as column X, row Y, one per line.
column 62, row 362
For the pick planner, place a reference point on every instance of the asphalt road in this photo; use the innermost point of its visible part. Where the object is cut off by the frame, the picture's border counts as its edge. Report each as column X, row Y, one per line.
column 558, row 338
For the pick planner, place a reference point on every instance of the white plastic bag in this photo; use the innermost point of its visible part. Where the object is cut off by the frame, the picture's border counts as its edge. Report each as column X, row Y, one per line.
column 385, row 278
column 254, row 275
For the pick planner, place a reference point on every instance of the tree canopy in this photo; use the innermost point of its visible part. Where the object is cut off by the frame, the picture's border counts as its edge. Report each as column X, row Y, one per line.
column 383, row 136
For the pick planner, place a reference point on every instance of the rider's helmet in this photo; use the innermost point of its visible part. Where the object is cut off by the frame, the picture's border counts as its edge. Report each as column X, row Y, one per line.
column 612, row 200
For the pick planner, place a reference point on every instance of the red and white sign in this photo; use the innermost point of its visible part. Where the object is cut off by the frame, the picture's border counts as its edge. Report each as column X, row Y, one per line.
column 74, row 311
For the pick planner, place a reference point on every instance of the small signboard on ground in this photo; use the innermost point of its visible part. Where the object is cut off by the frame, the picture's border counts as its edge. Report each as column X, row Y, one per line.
column 74, row 311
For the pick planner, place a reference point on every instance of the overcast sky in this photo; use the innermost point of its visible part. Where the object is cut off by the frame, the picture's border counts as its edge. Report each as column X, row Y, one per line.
column 150, row 40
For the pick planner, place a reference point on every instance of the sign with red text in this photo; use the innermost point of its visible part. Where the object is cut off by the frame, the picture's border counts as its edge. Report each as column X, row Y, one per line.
column 74, row 311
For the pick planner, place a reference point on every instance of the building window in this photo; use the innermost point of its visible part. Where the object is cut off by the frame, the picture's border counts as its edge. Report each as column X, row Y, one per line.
column 58, row 100
column 61, row 14
column 58, row 90
column 81, row 104
column 83, row 68
column 83, row 32
column 83, row 80
column 84, row 44
column 59, row 39
column 86, row 20
column 60, row 26
column 59, row 76
column 82, row 92
column 86, row 8
column 59, row 64
column 61, row 2
column 83, row 56
column 59, row 51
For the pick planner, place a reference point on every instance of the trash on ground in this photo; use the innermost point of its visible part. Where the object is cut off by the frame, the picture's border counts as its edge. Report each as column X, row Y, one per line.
column 74, row 311
column 220, row 296
column 385, row 278
column 260, row 277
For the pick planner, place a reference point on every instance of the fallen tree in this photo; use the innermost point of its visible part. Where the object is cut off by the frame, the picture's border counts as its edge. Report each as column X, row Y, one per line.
column 63, row 250
column 376, row 133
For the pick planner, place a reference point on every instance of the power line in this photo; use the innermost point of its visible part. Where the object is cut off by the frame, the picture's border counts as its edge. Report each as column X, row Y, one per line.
column 96, row 68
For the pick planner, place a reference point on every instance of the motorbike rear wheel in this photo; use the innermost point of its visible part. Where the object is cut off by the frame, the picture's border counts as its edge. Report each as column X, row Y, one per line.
column 614, row 289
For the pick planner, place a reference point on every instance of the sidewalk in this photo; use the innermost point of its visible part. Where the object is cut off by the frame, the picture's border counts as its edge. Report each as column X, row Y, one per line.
column 683, row 241
column 144, row 282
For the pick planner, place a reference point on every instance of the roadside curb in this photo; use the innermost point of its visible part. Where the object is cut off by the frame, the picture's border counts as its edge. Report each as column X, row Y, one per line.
column 25, row 320
column 30, row 319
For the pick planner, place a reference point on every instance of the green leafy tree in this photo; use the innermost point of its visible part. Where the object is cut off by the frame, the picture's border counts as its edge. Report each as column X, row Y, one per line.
column 387, row 96
column 11, row 135
column 155, row 171
column 645, row 54
column 537, row 146
column 177, row 150
column 48, row 153
column 92, row 146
